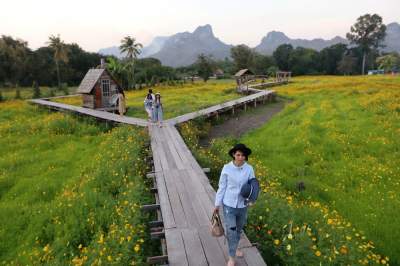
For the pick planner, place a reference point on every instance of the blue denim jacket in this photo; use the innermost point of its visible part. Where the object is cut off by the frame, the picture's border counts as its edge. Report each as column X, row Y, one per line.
column 230, row 182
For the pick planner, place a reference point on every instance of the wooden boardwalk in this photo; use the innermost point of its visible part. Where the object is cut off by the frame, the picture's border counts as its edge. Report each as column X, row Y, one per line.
column 260, row 95
column 187, row 202
column 185, row 196
column 90, row 112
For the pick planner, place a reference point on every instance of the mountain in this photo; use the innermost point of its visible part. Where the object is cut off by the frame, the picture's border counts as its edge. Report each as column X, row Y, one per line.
column 275, row 38
column 183, row 48
column 150, row 49
column 155, row 46
column 392, row 40
column 113, row 50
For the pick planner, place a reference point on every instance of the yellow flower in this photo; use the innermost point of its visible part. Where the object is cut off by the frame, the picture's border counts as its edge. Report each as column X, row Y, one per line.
column 343, row 250
column 136, row 248
column 290, row 236
column 276, row 241
column 317, row 253
column 46, row 248
column 101, row 240
column 288, row 247
column 109, row 258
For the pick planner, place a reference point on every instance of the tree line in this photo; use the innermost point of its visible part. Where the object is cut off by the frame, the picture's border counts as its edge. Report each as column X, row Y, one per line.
column 61, row 65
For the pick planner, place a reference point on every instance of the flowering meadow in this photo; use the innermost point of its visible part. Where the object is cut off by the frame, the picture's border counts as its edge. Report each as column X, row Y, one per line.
column 71, row 190
column 329, row 167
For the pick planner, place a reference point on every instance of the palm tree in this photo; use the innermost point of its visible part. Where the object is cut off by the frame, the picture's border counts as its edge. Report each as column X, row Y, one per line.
column 131, row 48
column 60, row 53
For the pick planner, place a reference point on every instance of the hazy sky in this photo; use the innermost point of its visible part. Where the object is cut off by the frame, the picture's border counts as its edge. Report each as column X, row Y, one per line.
column 99, row 24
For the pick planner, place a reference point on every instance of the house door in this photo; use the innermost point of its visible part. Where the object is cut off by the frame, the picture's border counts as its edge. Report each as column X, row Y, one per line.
column 106, row 92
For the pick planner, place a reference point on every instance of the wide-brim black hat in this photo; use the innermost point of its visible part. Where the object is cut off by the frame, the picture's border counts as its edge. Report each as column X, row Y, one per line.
column 240, row 147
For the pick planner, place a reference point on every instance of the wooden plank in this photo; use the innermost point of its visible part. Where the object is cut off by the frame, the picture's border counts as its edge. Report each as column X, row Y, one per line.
column 175, row 248
column 91, row 112
column 167, row 151
column 186, row 195
column 193, row 247
column 200, row 201
column 214, row 253
column 175, row 201
column 165, row 204
column 157, row 259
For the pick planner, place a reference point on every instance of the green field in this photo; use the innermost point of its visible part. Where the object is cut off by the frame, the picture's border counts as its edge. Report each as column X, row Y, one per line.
column 70, row 190
column 341, row 137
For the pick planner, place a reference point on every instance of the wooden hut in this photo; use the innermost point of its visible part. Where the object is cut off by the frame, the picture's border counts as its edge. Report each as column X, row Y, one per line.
column 97, row 89
column 242, row 76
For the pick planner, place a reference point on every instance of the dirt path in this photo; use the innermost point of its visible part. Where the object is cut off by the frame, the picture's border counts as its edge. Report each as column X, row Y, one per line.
column 243, row 122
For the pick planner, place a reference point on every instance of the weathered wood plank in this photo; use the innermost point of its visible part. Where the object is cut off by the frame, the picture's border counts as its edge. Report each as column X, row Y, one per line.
column 175, row 201
column 176, row 248
column 194, row 247
column 91, row 112
column 214, row 253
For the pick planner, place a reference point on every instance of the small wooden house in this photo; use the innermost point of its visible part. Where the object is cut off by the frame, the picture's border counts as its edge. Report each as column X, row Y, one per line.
column 97, row 89
column 242, row 77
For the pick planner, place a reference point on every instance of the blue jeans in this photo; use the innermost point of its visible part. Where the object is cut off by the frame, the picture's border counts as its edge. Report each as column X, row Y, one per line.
column 157, row 114
column 235, row 219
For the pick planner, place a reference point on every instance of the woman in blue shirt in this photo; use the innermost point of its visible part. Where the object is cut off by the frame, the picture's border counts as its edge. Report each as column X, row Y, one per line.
column 233, row 176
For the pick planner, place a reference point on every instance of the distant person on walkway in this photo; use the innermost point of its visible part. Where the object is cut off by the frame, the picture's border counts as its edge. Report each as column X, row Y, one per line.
column 233, row 176
column 158, row 110
column 148, row 104
column 121, row 102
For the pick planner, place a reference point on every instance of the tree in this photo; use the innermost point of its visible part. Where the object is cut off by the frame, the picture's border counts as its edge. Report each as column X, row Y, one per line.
column 347, row 65
column 60, row 54
column 368, row 33
column 389, row 62
column 304, row 61
column 36, row 90
column 262, row 63
column 17, row 94
column 330, row 58
column 205, row 66
column 131, row 48
column 282, row 56
column 242, row 56
column 13, row 60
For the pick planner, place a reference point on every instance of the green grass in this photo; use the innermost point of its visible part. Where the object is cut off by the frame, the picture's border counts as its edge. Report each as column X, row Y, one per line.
column 70, row 190
column 341, row 137
column 27, row 92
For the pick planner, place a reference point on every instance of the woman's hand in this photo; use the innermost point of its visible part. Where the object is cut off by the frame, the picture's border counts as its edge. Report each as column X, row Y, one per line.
column 216, row 209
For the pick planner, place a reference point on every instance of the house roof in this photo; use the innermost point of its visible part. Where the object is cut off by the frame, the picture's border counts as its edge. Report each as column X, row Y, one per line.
column 242, row 72
column 90, row 79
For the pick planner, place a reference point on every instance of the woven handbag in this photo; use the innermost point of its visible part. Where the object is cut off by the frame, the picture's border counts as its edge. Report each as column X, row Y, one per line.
column 217, row 229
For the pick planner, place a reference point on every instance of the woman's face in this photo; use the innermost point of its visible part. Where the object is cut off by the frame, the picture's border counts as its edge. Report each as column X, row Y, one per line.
column 239, row 157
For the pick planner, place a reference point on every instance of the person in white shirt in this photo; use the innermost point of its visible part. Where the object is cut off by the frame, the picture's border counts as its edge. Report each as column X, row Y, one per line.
column 148, row 104
column 233, row 176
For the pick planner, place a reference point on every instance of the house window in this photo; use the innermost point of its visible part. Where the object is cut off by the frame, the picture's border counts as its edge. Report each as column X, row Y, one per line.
column 105, row 85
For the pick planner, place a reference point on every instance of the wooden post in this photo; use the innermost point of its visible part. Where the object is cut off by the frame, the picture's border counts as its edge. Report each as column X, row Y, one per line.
column 245, row 107
column 233, row 110
column 255, row 103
